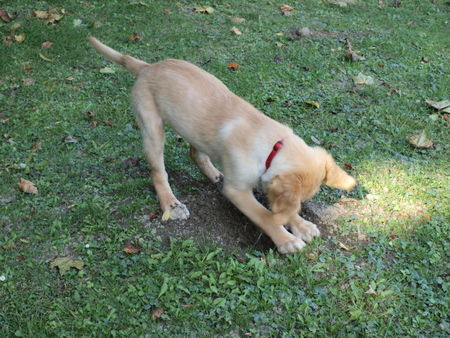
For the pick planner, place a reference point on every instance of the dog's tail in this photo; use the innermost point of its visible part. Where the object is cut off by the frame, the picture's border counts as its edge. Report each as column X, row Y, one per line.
column 132, row 64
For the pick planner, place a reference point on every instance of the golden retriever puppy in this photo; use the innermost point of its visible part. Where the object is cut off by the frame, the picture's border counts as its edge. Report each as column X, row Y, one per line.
column 224, row 129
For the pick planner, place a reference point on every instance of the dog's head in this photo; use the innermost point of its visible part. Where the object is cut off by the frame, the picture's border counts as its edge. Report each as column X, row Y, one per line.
column 287, row 190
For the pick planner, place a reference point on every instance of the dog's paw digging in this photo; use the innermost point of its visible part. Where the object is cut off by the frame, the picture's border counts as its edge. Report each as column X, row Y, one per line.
column 291, row 246
column 305, row 230
column 177, row 211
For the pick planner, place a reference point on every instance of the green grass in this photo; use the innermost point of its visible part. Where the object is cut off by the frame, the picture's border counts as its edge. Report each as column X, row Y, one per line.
column 89, row 204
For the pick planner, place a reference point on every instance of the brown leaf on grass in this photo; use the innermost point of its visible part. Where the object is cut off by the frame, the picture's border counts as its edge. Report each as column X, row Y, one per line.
column 43, row 57
column 26, row 66
column 19, row 37
column 235, row 30
column 442, row 106
column 9, row 246
column 68, row 79
column 4, row 15
column 5, row 136
column 3, row 121
column 27, row 186
column 286, row 10
column 64, row 264
column 28, row 81
column 348, row 166
column 154, row 214
column 131, row 248
column 233, row 66
column 40, row 14
column 52, row 16
column 94, row 123
column 157, row 314
column 134, row 37
column 36, row 146
column 420, row 141
column 107, row 123
column 46, row 44
column 344, row 247
column 236, row 19
column 8, row 40
column 371, row 291
column 90, row 115
column 204, row 10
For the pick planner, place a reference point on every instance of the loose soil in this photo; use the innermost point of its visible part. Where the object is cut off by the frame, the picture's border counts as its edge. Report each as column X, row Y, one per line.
column 215, row 221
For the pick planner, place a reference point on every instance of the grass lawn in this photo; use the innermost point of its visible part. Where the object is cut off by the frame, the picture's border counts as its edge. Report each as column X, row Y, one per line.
column 382, row 271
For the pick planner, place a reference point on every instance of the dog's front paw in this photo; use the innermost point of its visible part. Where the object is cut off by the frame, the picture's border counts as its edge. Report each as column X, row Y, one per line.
column 177, row 211
column 304, row 230
column 291, row 246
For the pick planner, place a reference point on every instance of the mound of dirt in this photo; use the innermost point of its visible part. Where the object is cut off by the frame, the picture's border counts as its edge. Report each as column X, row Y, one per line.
column 215, row 221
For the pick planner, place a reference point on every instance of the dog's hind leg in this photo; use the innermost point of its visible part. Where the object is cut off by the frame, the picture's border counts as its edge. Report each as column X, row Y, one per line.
column 204, row 163
column 152, row 129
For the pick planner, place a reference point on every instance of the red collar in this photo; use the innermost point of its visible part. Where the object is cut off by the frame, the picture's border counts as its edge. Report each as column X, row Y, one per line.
column 274, row 151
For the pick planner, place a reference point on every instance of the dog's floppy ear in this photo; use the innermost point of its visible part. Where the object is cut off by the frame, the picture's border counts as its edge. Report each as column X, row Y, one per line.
column 284, row 194
column 335, row 177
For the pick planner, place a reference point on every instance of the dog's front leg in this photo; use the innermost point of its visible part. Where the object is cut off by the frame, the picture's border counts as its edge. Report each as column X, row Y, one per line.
column 246, row 202
column 303, row 229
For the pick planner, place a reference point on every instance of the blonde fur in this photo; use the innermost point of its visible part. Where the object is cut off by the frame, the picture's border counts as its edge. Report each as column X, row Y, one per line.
column 223, row 128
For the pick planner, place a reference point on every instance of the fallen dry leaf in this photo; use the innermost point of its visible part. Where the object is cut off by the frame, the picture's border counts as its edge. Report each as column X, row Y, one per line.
column 131, row 248
column 343, row 246
column 90, row 115
column 443, row 105
column 166, row 215
column 3, row 121
column 8, row 40
column 348, row 166
column 204, row 10
column 313, row 103
column 371, row 291
column 9, row 246
column 20, row 37
column 316, row 140
column 157, row 314
column 36, row 146
column 94, row 123
column 134, row 37
column 235, row 30
column 233, row 66
column 153, row 214
column 108, row 123
column 236, row 19
column 279, row 44
column 286, row 10
column 41, row 14
column 26, row 66
column 27, row 186
column 420, row 141
column 70, row 139
column 43, row 57
column 65, row 263
column 4, row 15
column 363, row 79
column 28, row 81
column 68, row 79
